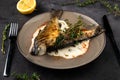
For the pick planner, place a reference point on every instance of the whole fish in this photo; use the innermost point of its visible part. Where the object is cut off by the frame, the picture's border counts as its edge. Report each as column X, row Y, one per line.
column 54, row 36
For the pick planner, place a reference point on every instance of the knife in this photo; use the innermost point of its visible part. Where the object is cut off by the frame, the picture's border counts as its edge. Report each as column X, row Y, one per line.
column 109, row 33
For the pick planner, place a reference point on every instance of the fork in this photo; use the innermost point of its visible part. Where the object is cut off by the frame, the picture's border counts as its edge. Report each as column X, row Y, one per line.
column 12, row 39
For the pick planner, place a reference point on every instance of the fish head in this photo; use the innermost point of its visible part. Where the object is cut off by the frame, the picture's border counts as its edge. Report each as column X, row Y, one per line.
column 38, row 50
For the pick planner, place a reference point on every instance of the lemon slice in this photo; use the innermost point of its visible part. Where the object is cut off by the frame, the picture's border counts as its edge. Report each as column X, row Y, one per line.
column 26, row 6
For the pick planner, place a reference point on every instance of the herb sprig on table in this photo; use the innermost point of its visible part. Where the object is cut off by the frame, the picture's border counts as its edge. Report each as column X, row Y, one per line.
column 4, row 37
column 25, row 76
column 81, row 4
column 113, row 8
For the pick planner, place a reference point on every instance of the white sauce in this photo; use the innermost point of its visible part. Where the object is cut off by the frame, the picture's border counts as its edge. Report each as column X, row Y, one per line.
column 72, row 52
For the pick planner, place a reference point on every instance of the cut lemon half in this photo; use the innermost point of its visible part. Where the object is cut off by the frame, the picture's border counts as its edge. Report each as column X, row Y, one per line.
column 26, row 6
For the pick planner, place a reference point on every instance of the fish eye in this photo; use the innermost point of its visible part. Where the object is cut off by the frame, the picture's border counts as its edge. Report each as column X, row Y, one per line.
column 60, row 25
column 39, row 48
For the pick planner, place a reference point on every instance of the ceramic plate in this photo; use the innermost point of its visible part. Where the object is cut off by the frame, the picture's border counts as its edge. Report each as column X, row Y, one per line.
column 25, row 35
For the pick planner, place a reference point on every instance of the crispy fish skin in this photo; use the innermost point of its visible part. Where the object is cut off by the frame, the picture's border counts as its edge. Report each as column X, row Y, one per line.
column 46, row 37
column 50, row 33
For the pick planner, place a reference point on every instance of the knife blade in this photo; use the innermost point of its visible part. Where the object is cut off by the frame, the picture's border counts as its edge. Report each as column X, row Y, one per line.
column 109, row 33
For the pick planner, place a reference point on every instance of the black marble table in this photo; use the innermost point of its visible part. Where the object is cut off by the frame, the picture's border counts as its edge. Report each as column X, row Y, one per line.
column 105, row 67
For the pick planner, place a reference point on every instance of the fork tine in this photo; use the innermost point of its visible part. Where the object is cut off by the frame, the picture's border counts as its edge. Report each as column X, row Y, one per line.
column 16, row 29
column 10, row 29
column 13, row 30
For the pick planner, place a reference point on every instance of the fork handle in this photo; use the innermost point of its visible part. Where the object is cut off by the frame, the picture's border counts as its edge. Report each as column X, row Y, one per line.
column 10, row 52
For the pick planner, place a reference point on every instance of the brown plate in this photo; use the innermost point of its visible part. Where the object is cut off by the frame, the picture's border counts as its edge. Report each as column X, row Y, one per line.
column 25, row 35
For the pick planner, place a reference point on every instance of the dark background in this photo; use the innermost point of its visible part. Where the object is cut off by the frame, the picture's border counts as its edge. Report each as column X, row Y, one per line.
column 105, row 67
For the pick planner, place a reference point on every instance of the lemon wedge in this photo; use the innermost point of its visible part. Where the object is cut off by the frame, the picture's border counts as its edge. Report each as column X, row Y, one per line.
column 26, row 6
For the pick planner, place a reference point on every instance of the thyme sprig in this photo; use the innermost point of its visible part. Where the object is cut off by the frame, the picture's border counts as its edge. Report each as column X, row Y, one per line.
column 72, row 33
column 25, row 76
column 76, row 28
column 86, row 3
column 81, row 4
column 4, row 37
column 111, row 8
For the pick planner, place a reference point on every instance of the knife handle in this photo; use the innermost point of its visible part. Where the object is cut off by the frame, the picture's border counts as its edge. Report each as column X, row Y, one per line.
column 8, row 61
column 115, row 47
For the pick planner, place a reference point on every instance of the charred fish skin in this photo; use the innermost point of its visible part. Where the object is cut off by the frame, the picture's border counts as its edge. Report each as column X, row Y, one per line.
column 49, row 34
column 46, row 37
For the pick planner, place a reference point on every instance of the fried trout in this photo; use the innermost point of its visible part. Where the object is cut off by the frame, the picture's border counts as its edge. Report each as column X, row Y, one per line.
column 54, row 35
